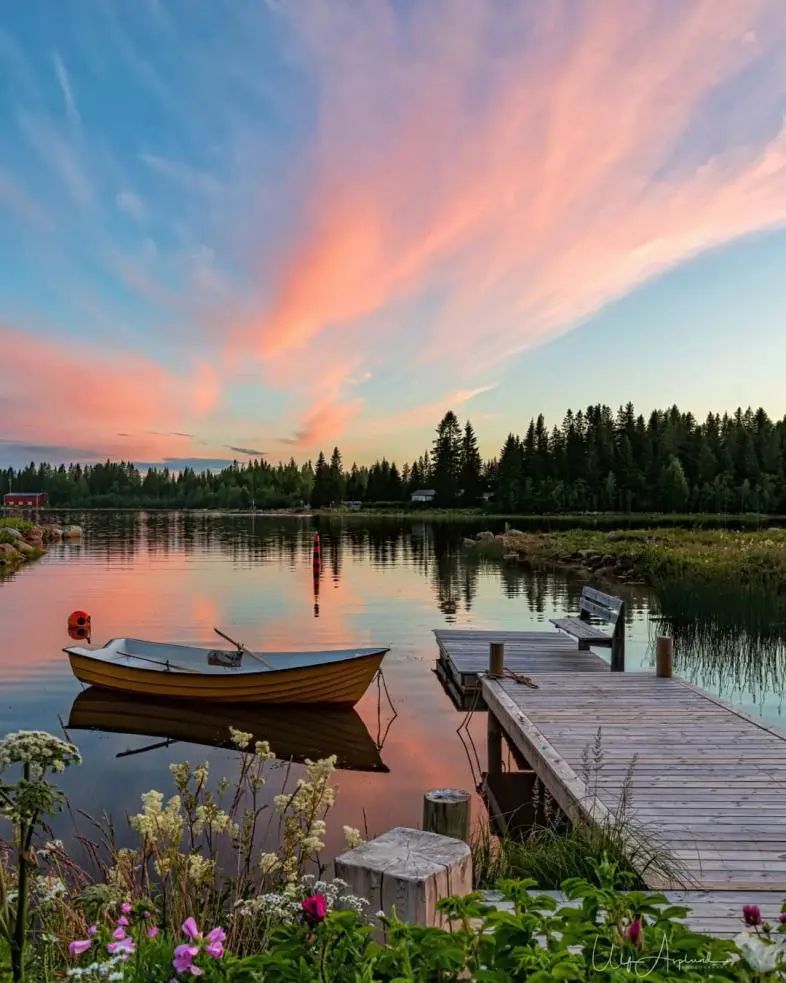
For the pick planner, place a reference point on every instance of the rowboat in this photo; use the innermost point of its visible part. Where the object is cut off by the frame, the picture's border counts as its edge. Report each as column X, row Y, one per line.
column 188, row 673
column 294, row 733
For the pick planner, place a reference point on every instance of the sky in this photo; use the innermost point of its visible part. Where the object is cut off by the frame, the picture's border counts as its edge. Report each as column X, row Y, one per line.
column 242, row 227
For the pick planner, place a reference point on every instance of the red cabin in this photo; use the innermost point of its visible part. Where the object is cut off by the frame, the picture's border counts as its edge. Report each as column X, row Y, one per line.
column 24, row 500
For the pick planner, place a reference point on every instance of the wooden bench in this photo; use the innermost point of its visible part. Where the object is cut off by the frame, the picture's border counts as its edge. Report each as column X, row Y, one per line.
column 606, row 608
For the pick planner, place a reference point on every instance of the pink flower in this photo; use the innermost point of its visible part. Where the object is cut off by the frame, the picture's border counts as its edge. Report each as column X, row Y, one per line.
column 782, row 918
column 124, row 947
column 119, row 933
column 190, row 928
column 78, row 946
column 635, row 932
column 92, row 930
column 314, row 907
column 184, row 959
column 122, row 920
column 125, row 907
column 152, row 932
column 751, row 914
column 217, row 935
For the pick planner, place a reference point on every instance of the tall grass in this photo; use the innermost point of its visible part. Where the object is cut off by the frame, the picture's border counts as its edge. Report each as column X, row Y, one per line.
column 554, row 850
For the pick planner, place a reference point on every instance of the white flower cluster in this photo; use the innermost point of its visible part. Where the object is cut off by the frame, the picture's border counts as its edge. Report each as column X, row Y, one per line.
column 111, row 970
column 39, row 749
column 286, row 906
column 49, row 888
column 763, row 955
column 158, row 822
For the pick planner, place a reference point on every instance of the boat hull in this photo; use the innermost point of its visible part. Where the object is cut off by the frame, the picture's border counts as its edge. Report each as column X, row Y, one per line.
column 336, row 683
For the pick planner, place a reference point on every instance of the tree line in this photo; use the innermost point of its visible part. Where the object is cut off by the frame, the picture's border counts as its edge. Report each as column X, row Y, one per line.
column 596, row 459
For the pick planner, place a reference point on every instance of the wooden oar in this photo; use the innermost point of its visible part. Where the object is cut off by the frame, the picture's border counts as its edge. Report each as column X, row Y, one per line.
column 242, row 648
column 156, row 662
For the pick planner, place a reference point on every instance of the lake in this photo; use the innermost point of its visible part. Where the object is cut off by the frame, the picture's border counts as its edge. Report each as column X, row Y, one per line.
column 173, row 576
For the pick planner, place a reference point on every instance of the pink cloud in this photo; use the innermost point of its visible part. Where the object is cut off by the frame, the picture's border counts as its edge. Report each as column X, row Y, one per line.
column 527, row 163
column 56, row 394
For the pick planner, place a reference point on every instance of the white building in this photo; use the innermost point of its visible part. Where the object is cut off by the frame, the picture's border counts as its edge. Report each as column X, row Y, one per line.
column 423, row 495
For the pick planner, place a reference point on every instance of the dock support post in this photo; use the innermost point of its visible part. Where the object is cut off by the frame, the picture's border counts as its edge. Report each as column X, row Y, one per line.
column 446, row 811
column 664, row 656
column 618, row 642
column 496, row 659
column 493, row 745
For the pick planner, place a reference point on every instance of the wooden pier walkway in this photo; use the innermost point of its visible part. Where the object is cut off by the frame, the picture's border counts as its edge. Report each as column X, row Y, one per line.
column 464, row 655
column 709, row 780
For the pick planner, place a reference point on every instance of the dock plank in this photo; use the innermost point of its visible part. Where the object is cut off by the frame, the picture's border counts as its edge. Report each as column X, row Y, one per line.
column 708, row 779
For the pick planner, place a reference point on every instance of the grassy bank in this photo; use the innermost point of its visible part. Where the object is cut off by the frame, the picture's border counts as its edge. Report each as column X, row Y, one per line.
column 655, row 555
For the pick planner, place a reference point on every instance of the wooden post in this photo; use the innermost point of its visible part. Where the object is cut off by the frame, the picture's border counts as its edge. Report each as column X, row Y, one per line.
column 446, row 811
column 493, row 745
column 496, row 659
column 618, row 642
column 664, row 656
column 408, row 870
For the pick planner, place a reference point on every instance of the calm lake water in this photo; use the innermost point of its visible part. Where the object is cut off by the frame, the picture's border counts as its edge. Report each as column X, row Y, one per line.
column 390, row 582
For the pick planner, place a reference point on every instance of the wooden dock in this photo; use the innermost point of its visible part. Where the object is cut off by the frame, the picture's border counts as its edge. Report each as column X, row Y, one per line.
column 464, row 656
column 709, row 780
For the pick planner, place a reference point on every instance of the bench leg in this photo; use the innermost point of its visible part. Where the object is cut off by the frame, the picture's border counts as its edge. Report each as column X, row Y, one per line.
column 584, row 646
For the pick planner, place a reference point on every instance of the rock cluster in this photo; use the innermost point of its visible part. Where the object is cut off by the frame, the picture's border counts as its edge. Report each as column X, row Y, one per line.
column 27, row 543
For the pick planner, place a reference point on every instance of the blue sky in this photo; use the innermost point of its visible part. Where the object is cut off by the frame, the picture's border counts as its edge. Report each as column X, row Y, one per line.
column 278, row 226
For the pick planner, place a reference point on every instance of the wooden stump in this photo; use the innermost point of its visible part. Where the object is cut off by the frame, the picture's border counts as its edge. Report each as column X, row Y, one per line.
column 446, row 811
column 664, row 656
column 408, row 870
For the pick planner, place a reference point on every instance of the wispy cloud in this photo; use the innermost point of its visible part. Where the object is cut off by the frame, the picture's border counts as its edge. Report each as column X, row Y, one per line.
column 60, row 154
column 185, row 175
column 131, row 204
column 250, row 451
column 64, row 81
column 525, row 169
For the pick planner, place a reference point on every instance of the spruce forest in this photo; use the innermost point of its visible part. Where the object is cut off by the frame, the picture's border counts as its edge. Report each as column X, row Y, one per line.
column 596, row 460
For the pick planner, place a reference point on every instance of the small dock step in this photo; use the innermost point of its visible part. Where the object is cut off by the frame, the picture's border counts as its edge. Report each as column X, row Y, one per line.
column 464, row 655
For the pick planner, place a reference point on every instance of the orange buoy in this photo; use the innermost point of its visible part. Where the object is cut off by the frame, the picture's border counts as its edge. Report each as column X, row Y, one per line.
column 79, row 619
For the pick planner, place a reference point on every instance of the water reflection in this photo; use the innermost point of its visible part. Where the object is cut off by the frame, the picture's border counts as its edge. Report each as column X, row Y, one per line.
column 293, row 733
column 166, row 576
column 728, row 637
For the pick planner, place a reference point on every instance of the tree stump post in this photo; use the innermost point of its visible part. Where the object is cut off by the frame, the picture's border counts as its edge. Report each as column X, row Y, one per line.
column 408, row 870
column 446, row 811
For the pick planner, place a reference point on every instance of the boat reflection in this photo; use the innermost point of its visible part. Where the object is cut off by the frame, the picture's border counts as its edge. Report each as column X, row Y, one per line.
column 293, row 732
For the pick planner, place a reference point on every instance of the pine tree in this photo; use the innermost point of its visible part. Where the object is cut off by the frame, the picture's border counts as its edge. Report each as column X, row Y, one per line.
column 471, row 469
column 320, row 493
column 446, row 466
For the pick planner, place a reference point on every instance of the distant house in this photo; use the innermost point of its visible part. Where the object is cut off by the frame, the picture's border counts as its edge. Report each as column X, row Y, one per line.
column 352, row 505
column 423, row 495
column 24, row 500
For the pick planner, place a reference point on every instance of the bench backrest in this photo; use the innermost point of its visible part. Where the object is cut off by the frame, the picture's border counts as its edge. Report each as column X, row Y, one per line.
column 603, row 606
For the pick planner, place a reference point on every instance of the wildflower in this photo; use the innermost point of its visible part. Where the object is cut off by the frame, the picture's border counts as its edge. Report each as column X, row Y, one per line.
column 268, row 862
column 262, row 751
column 314, row 908
column 124, row 947
column 184, row 959
column 92, row 930
column 38, row 749
column 78, row 946
column 152, row 932
column 782, row 918
column 119, row 933
column 760, row 955
column 125, row 908
column 190, row 928
column 200, row 869
column 215, row 943
column 635, row 932
column 751, row 914
column 123, row 921
column 240, row 738
column 352, row 837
